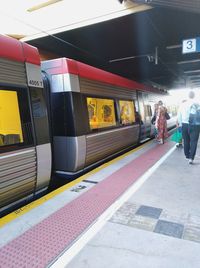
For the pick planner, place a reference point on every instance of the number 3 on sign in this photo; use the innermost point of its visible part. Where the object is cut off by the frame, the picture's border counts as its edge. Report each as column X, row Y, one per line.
column 189, row 46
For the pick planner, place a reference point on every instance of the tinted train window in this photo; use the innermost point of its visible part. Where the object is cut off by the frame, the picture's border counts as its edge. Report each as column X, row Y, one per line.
column 40, row 115
column 101, row 113
column 15, row 121
column 127, row 112
column 10, row 121
column 148, row 111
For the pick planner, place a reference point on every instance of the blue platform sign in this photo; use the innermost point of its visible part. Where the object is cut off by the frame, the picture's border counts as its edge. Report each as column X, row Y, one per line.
column 191, row 45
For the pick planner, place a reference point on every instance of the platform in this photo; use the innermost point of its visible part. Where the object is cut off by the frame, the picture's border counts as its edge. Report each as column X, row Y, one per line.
column 139, row 210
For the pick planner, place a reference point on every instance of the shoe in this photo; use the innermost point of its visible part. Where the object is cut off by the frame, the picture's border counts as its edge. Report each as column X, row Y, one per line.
column 190, row 161
column 178, row 145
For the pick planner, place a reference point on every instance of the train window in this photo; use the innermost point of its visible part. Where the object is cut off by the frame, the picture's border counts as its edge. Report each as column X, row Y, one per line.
column 40, row 115
column 10, row 121
column 101, row 113
column 127, row 112
column 172, row 110
column 148, row 111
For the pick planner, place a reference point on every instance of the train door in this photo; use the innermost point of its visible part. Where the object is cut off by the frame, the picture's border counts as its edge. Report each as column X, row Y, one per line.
column 146, row 114
column 42, row 138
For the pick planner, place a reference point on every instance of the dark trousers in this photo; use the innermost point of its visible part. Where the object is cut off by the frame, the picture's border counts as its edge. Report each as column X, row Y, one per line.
column 190, row 135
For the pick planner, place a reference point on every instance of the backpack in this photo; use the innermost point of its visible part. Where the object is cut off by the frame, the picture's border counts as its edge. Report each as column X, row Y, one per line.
column 194, row 116
column 153, row 119
column 167, row 116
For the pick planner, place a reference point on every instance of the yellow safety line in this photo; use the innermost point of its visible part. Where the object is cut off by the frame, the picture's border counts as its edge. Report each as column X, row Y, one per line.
column 13, row 215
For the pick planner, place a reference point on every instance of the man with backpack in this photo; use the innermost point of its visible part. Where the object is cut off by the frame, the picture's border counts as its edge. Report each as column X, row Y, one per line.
column 189, row 120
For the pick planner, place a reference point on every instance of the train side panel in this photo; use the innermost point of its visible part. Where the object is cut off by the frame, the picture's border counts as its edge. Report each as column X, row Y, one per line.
column 107, row 142
column 18, row 175
column 102, row 145
column 20, row 171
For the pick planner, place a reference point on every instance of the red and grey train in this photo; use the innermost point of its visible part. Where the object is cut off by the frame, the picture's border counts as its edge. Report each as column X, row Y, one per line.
column 63, row 117
column 25, row 149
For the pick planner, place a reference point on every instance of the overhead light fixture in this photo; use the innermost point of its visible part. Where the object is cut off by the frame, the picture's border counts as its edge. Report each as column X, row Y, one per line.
column 173, row 46
column 195, row 85
column 148, row 56
column 43, row 4
column 190, row 72
column 188, row 61
column 193, row 76
column 152, row 57
column 194, row 81
column 16, row 36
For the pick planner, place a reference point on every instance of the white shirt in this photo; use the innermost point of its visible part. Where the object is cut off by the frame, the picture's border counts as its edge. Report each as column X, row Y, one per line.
column 184, row 112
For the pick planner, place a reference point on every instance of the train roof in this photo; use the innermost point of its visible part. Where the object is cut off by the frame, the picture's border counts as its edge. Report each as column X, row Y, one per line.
column 13, row 49
column 66, row 65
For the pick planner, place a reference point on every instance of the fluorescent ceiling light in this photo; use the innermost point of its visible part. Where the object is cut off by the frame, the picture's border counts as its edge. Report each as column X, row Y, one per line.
column 188, row 61
column 193, row 76
column 44, row 4
column 190, row 72
column 195, row 80
column 173, row 46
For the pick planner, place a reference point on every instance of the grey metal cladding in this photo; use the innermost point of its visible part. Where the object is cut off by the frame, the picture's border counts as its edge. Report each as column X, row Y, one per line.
column 69, row 153
column 106, row 143
column 64, row 82
column 57, row 84
column 12, row 72
column 43, row 165
column 17, row 175
column 71, row 83
column 91, row 87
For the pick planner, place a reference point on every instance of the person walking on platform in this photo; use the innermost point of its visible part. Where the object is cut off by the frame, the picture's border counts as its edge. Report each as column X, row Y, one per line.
column 190, row 128
column 161, row 123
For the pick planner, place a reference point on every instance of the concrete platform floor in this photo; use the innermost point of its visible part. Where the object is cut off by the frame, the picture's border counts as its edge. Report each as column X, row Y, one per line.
column 153, row 222
column 157, row 227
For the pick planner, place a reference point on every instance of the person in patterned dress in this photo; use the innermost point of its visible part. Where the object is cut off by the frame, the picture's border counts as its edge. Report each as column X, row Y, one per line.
column 161, row 123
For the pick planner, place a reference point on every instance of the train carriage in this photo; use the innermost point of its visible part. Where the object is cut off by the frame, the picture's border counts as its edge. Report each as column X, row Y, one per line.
column 94, row 114
column 25, row 150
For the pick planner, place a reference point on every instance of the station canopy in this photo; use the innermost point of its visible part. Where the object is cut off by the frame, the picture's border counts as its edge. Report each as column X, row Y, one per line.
column 138, row 39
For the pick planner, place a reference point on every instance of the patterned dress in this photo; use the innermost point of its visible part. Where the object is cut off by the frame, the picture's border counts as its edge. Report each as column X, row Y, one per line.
column 161, row 124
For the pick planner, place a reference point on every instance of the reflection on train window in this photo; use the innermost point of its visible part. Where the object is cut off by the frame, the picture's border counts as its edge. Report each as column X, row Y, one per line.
column 40, row 115
column 148, row 111
column 172, row 110
column 127, row 114
column 101, row 113
column 10, row 121
column 142, row 112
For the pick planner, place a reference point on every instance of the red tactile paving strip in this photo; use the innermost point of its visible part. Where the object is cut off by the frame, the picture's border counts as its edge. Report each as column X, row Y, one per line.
column 41, row 244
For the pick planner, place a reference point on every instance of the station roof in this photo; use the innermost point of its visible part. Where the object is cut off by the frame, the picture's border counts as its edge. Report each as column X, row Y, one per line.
column 145, row 46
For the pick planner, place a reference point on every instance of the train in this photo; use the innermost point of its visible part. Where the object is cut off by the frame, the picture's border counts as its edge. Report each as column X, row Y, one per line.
column 63, row 117
column 94, row 114
column 25, row 148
